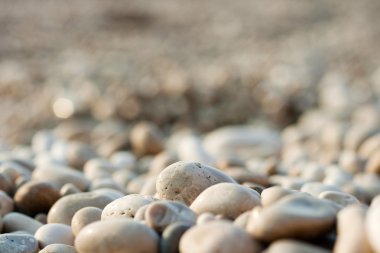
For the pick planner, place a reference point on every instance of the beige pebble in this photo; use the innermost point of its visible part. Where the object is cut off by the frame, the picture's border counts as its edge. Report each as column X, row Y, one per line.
column 373, row 163
column 242, row 220
column 17, row 221
column 36, row 197
column 42, row 141
column 184, row 181
column 217, row 237
column 205, row 217
column 58, row 248
column 352, row 235
column 149, row 186
column 273, row 194
column 14, row 170
column 341, row 198
column 227, row 199
column 315, row 188
column 54, row 233
column 190, row 148
column 117, row 236
column 160, row 214
column 146, row 139
column 105, row 183
column 243, row 142
column 83, row 217
column 372, row 225
column 126, row 206
column 351, row 162
column 20, row 243
column 61, row 175
column 369, row 183
column 123, row 160
column 288, row 182
column 6, row 203
column 293, row 216
column 241, row 175
column 99, row 168
column 68, row 189
column 161, row 161
column 357, row 135
column 64, row 209
column 369, row 146
column 293, row 246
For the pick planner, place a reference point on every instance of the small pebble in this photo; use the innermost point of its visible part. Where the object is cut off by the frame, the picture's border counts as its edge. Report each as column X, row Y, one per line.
column 54, row 233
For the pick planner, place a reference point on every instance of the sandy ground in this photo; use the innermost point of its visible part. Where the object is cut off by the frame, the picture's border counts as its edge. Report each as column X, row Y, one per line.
column 206, row 63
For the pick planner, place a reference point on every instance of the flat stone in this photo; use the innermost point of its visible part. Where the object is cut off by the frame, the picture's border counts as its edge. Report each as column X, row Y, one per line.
column 18, row 243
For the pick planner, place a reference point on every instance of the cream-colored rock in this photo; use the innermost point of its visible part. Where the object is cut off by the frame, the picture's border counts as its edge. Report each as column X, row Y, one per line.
column 19, row 222
column 126, row 206
column 352, row 235
column 217, row 237
column 227, row 199
column 54, row 233
column 293, row 246
column 58, row 248
column 273, row 194
column 61, row 175
column 99, row 168
column 341, row 198
column 83, row 217
column 243, row 142
column 20, row 243
column 64, row 209
column 190, row 148
column 184, row 181
column 315, row 188
column 372, row 225
column 6, row 203
column 293, row 216
column 118, row 235
column 161, row 214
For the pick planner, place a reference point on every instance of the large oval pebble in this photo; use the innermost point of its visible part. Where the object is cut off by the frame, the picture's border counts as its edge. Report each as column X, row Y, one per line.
column 293, row 216
column 184, row 181
column 117, row 236
column 227, row 199
column 126, row 206
column 19, row 222
column 217, row 237
column 64, row 209
column 54, row 233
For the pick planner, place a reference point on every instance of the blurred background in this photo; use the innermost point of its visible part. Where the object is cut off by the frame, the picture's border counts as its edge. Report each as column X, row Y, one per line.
column 174, row 62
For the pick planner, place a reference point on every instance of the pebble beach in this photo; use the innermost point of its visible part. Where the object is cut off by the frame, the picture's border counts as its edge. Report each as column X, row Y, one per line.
column 191, row 127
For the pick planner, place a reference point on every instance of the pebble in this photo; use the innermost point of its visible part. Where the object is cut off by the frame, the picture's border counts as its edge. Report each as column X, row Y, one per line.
column 227, row 199
column 61, row 175
column 351, row 230
column 341, row 198
column 184, row 181
column 217, row 237
column 6, row 203
column 293, row 246
column 372, row 225
column 83, row 217
column 6, row 183
column 64, row 209
column 18, row 243
column 19, row 222
column 293, row 216
column 171, row 236
column 58, row 248
column 54, row 233
column 118, row 236
column 126, row 206
column 146, row 139
column 36, row 197
column 160, row 214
